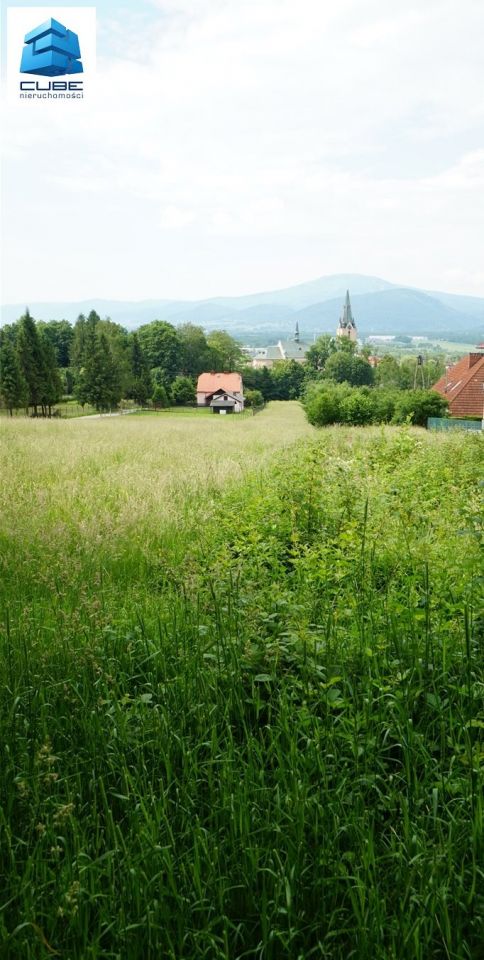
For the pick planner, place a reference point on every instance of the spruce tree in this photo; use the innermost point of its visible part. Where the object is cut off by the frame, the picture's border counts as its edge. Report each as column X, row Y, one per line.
column 51, row 391
column 98, row 382
column 31, row 360
column 13, row 388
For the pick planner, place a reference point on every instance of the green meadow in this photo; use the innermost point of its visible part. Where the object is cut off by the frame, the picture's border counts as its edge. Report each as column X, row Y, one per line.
column 241, row 710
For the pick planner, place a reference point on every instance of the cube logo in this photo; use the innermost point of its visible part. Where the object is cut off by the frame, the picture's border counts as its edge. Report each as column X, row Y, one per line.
column 51, row 50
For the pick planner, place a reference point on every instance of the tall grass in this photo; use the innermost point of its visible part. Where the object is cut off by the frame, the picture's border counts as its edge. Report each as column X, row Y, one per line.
column 240, row 715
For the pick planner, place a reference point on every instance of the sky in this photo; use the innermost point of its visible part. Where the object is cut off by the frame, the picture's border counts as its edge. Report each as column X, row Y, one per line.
column 231, row 146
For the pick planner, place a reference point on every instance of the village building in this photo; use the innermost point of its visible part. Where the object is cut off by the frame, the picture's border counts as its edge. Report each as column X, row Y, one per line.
column 463, row 385
column 222, row 392
column 347, row 325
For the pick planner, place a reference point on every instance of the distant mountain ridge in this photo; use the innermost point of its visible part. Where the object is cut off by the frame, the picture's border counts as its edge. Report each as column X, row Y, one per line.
column 380, row 307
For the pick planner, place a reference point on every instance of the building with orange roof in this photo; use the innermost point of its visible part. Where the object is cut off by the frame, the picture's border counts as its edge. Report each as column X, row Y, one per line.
column 223, row 392
column 463, row 385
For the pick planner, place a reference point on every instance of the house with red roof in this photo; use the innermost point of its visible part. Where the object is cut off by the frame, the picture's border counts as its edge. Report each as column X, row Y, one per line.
column 463, row 385
column 222, row 392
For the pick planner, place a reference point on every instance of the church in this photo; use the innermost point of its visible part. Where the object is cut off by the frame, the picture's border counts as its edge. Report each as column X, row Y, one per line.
column 296, row 349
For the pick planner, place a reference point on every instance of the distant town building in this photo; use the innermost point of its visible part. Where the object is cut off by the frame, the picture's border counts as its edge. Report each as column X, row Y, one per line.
column 295, row 349
column 463, row 385
column 347, row 325
column 222, row 392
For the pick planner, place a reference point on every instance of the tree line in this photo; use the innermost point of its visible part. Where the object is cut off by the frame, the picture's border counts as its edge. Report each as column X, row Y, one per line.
column 99, row 362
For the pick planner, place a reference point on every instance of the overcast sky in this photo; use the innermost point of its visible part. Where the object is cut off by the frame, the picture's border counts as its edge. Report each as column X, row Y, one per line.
column 239, row 145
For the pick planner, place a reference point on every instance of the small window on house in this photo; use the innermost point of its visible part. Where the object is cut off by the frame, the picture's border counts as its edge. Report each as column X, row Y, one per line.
column 225, row 397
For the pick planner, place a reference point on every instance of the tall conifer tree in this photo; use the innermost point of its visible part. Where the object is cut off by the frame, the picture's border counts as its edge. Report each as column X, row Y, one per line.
column 13, row 388
column 31, row 360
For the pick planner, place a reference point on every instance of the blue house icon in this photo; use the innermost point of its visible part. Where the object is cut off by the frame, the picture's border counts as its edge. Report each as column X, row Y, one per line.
column 51, row 51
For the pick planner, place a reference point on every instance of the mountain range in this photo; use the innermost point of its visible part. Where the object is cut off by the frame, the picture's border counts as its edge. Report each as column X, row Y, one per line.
column 379, row 307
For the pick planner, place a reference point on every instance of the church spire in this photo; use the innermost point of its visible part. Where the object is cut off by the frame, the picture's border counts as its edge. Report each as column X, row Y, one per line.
column 296, row 333
column 347, row 319
column 347, row 325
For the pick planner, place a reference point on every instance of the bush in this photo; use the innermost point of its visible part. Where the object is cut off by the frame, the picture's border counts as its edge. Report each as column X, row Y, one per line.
column 327, row 403
column 183, row 391
column 253, row 398
column 160, row 397
column 322, row 402
column 418, row 405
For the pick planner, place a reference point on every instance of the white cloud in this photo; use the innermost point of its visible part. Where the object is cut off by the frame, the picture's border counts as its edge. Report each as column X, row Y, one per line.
column 246, row 144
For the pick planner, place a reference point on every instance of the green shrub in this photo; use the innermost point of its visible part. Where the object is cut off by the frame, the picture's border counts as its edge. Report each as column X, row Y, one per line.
column 418, row 405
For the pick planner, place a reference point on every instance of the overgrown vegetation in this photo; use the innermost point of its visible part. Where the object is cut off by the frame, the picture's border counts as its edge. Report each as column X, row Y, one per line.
column 240, row 710
column 326, row 403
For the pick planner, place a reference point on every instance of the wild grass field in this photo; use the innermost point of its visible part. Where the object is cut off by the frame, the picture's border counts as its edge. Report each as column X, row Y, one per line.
column 241, row 709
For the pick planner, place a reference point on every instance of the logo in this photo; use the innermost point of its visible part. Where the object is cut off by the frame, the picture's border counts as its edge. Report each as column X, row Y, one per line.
column 51, row 50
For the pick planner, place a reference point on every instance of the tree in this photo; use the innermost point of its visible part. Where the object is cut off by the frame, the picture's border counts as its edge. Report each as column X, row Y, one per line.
column 258, row 379
column 264, row 383
column 162, row 347
column 51, row 389
column 320, row 351
column 160, row 397
column 346, row 367
column 79, row 341
column 183, row 391
column 253, row 398
column 118, row 339
column 226, row 351
column 141, row 386
column 60, row 335
column 338, row 367
column 197, row 356
column 31, row 360
column 13, row 388
column 362, row 373
column 387, row 373
column 287, row 380
column 99, row 381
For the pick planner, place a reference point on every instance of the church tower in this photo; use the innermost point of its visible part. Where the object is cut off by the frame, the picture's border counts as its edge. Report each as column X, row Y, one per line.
column 347, row 325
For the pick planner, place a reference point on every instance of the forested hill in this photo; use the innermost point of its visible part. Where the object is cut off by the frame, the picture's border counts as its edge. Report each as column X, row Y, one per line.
column 380, row 307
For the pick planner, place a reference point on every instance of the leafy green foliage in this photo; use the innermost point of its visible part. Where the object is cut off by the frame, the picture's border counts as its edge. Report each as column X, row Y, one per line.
column 162, row 347
column 253, row 398
column 183, row 391
column 346, row 367
column 60, row 335
column 225, row 350
column 287, row 380
column 160, row 397
column 141, row 387
column 196, row 354
column 327, row 403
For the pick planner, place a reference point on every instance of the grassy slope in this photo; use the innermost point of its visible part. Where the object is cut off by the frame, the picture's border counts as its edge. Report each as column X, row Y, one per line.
column 241, row 710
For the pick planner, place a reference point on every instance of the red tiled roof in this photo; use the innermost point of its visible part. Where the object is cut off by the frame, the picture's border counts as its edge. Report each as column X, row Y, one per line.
column 210, row 382
column 463, row 386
